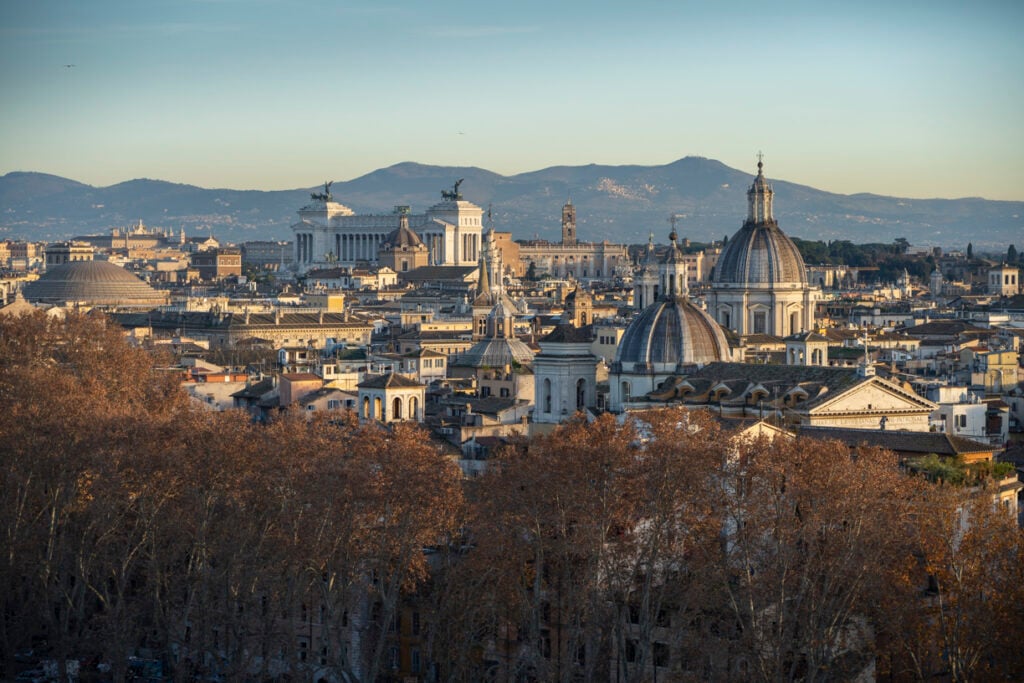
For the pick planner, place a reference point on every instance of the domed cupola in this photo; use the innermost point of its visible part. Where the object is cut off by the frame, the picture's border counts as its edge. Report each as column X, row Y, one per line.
column 402, row 237
column 759, row 284
column 760, row 254
column 672, row 331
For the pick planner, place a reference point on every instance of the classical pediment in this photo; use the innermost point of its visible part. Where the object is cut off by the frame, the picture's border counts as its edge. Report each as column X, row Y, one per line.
column 875, row 395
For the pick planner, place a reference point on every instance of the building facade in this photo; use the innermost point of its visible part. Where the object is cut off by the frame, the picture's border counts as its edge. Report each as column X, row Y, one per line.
column 565, row 259
column 329, row 233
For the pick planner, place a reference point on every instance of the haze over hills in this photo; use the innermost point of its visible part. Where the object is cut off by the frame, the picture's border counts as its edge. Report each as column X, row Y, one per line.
column 618, row 203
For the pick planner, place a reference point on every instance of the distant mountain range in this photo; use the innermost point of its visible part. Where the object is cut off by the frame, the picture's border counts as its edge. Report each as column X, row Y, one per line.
column 619, row 203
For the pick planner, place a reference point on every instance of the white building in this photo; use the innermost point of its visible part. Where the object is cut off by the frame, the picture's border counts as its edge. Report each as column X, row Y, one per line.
column 565, row 375
column 391, row 398
column 1003, row 280
column 329, row 234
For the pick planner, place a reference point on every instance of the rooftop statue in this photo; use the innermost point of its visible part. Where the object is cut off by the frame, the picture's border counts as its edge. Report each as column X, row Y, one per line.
column 324, row 196
column 454, row 195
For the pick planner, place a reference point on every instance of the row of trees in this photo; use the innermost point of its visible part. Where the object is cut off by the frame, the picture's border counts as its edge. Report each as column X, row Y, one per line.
column 890, row 259
column 134, row 523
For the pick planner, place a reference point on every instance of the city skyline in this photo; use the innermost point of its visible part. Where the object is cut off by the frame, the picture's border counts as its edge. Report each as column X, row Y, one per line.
column 912, row 101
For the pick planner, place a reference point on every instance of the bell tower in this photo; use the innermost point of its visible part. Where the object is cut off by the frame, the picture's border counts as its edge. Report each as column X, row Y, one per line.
column 568, row 225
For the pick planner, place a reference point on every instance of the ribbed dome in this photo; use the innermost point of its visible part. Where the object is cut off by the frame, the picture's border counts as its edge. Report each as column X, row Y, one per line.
column 670, row 332
column 495, row 353
column 92, row 282
column 760, row 255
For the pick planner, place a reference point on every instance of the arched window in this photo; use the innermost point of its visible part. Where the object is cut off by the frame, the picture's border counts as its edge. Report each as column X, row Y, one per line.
column 366, row 407
column 625, row 392
column 414, row 408
column 794, row 323
column 581, row 394
column 547, row 395
column 396, row 409
column 378, row 408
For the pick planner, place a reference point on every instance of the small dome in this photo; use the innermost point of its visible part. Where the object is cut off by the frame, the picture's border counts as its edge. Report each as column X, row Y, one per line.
column 97, row 283
column 670, row 332
column 402, row 237
column 760, row 254
column 495, row 353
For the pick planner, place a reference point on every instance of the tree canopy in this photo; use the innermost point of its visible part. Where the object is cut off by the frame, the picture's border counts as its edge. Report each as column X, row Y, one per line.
column 609, row 549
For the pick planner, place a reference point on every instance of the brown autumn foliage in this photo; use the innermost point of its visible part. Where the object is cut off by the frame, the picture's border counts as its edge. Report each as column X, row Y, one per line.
column 132, row 521
column 607, row 550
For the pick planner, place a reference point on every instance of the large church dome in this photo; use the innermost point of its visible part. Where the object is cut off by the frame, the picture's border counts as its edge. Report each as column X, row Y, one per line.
column 670, row 332
column 760, row 255
column 96, row 283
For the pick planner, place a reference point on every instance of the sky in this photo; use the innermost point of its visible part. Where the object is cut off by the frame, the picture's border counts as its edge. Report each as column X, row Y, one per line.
column 901, row 98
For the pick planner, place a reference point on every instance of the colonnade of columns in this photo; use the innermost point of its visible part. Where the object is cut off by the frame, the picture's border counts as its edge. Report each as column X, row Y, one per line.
column 304, row 247
column 358, row 247
column 349, row 248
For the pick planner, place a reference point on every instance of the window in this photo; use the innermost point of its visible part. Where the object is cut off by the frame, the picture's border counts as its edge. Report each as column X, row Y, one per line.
column 415, row 663
column 333, row 404
column 393, row 657
column 415, row 623
column 625, row 392
column 760, row 322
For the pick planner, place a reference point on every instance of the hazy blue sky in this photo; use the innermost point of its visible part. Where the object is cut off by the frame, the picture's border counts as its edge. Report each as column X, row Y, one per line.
column 919, row 99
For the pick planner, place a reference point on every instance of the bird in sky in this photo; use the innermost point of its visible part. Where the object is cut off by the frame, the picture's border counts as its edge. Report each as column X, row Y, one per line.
column 68, row 66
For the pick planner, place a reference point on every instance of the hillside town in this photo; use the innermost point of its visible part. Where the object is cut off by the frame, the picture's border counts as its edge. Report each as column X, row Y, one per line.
column 439, row 330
